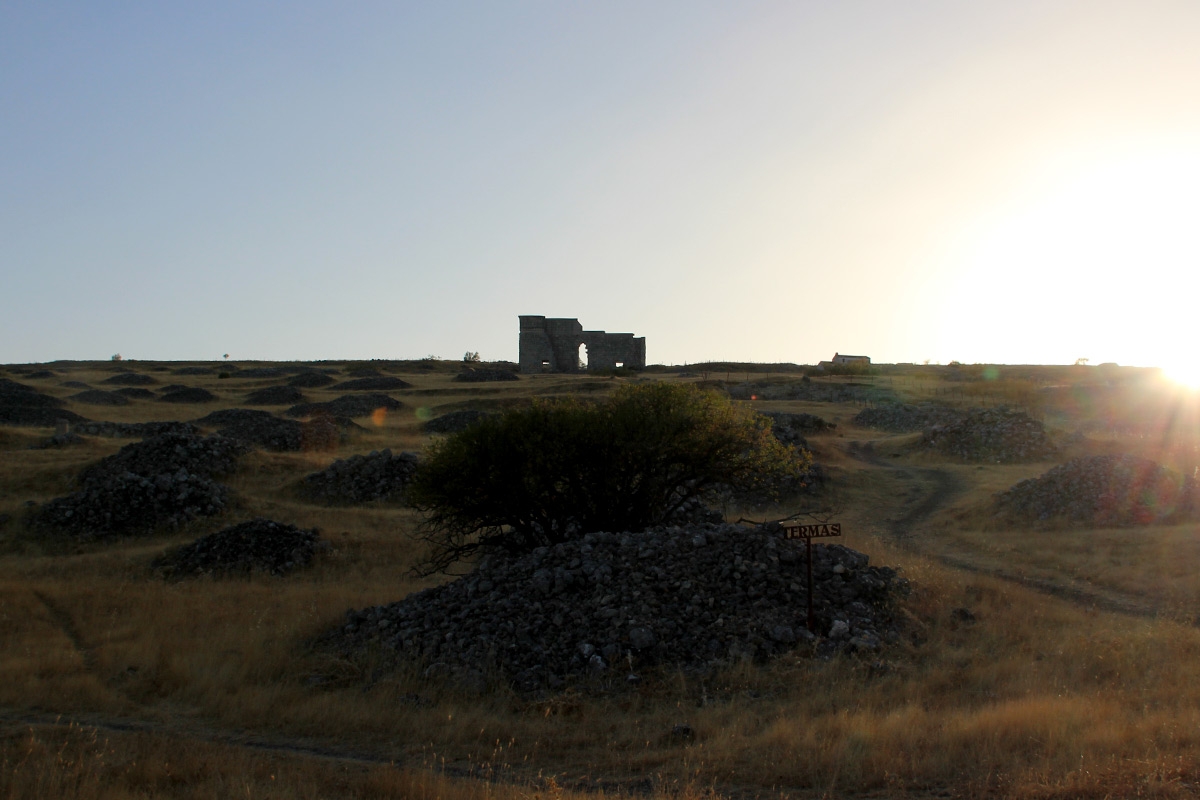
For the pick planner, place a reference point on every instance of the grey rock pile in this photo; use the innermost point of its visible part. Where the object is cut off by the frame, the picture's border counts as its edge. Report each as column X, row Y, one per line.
column 310, row 380
column 24, row 405
column 348, row 405
column 471, row 375
column 99, row 397
column 376, row 383
column 188, row 394
column 134, row 430
column 455, row 421
column 275, row 396
column 162, row 481
column 130, row 379
column 378, row 475
column 905, row 417
column 594, row 608
column 264, row 429
column 259, row 545
column 790, row 428
column 136, row 392
column 1098, row 491
column 1001, row 435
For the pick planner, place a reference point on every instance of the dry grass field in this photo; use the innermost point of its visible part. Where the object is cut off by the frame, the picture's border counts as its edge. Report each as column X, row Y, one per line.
column 1037, row 663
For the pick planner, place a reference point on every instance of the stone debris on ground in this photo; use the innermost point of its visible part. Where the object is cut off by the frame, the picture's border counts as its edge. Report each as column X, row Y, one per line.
column 1001, row 435
column 605, row 604
column 136, row 393
column 99, row 397
column 162, row 481
column 348, row 405
column 188, row 394
column 130, row 379
column 374, row 383
column 471, row 375
column 257, row 546
column 133, row 430
column 906, row 417
column 378, row 475
column 454, row 421
column 1099, row 491
column 264, row 429
column 24, row 405
column 275, row 396
column 790, row 428
column 311, row 380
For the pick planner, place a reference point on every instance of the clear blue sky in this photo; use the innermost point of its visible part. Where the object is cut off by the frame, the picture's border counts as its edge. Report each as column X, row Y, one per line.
column 775, row 181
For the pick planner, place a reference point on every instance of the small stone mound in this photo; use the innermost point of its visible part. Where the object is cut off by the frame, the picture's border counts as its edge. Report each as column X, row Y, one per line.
column 58, row 441
column 1100, row 491
column 373, row 384
column 39, row 374
column 379, row 475
column 188, row 394
column 24, row 405
column 75, row 385
column 99, row 397
column 135, row 430
column 130, row 379
column 470, row 375
column 194, row 371
column 790, row 428
column 275, row 396
column 348, row 405
column 311, row 380
column 905, row 417
column 211, row 456
column 259, row 545
column 261, row 372
column 455, row 421
column 136, row 393
column 592, row 608
column 1001, row 435
column 260, row 428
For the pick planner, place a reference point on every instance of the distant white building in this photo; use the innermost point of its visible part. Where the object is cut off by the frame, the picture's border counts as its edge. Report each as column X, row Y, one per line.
column 841, row 360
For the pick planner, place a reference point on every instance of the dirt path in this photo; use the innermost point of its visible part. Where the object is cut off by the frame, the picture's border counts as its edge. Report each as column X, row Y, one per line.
column 940, row 488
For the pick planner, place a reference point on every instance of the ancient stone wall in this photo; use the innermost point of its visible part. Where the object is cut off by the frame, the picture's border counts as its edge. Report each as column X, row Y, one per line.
column 552, row 345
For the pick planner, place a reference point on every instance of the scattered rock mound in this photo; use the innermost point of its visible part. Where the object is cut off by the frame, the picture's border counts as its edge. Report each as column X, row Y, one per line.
column 348, row 405
column 135, row 430
column 75, row 385
column 137, row 393
column 164, row 480
column 99, row 397
column 266, row 430
column 691, row 597
column 379, row 475
column 482, row 375
column 24, row 405
column 455, row 421
column 194, row 371
column 790, row 428
column 260, row 545
column 1003, row 435
column 39, row 374
column 905, row 417
column 130, row 379
column 1097, row 491
column 373, row 384
column 275, row 396
column 311, row 380
column 188, row 394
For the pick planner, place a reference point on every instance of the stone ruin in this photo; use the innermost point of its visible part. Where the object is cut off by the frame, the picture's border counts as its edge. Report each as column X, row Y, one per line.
column 553, row 345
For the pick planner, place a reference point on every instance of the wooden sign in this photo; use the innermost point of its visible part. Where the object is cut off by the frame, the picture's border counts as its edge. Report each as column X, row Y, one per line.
column 817, row 531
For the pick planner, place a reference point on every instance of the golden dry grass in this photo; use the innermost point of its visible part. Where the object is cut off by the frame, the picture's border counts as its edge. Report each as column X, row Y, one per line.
column 1038, row 696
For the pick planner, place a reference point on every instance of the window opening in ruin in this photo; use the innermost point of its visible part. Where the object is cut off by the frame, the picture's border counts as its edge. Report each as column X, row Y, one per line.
column 620, row 364
column 583, row 356
column 545, row 366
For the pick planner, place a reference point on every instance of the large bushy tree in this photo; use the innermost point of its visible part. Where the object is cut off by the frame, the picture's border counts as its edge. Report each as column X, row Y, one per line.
column 540, row 475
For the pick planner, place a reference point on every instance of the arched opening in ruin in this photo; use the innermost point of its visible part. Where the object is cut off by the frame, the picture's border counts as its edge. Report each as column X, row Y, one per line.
column 583, row 356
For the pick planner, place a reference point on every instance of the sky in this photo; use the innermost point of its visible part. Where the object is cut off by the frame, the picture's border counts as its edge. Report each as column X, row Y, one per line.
column 999, row 182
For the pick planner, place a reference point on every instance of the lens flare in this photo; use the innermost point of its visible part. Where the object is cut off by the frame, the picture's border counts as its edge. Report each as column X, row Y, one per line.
column 378, row 416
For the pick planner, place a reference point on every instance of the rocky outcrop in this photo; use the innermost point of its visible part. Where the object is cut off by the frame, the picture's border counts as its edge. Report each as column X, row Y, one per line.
column 607, row 604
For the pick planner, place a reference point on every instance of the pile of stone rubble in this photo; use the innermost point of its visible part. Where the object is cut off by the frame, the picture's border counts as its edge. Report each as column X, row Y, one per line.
column 348, row 405
column 472, row 375
column 454, row 421
column 162, row 481
column 378, row 475
column 906, row 417
column 311, row 380
column 1112, row 490
column 24, row 405
column 1001, row 435
column 99, row 397
column 259, row 545
column 275, row 396
column 812, row 391
column 790, row 428
column 133, row 430
column 376, row 383
column 187, row 394
column 600, row 606
column 264, row 429
column 130, row 379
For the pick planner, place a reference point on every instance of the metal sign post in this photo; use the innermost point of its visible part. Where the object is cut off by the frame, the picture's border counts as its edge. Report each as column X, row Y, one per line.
column 808, row 533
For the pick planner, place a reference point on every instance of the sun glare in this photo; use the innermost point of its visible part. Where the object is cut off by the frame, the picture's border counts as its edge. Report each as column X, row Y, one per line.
column 1102, row 263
